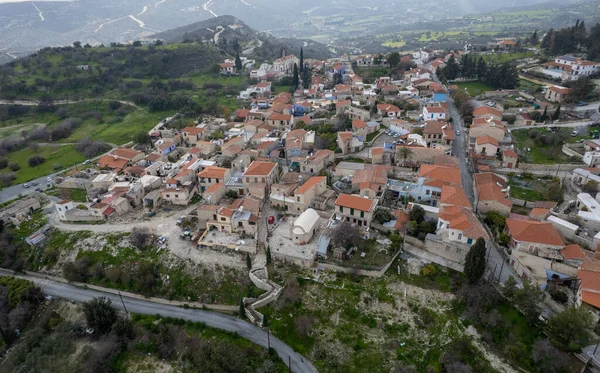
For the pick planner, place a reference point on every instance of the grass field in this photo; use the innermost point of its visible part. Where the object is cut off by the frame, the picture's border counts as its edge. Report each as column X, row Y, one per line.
column 474, row 88
column 57, row 157
column 529, row 190
column 281, row 88
column 394, row 44
column 499, row 58
column 540, row 153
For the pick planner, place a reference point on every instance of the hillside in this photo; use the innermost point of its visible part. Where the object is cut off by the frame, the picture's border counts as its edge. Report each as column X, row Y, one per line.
column 224, row 30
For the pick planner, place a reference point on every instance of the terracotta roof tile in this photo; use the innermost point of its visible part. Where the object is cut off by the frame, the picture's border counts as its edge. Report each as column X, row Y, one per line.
column 534, row 231
column 355, row 202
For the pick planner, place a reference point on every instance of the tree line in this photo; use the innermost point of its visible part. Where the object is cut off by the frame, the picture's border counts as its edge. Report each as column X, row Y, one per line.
column 503, row 76
column 573, row 39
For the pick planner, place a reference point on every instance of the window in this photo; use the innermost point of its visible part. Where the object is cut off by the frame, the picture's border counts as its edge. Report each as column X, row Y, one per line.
column 470, row 241
column 223, row 219
column 168, row 196
column 362, row 214
column 341, row 208
column 176, row 195
column 427, row 192
column 460, row 236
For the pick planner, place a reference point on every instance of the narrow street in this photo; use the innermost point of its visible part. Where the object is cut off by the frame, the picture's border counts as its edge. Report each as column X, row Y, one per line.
column 459, row 150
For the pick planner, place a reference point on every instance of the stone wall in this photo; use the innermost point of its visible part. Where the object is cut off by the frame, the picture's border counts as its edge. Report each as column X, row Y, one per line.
column 522, row 202
column 447, row 250
column 569, row 149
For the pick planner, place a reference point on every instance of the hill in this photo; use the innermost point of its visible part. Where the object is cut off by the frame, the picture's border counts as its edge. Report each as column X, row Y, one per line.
column 224, row 30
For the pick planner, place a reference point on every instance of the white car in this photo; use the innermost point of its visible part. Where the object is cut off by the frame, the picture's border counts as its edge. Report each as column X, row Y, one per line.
column 48, row 179
column 457, row 132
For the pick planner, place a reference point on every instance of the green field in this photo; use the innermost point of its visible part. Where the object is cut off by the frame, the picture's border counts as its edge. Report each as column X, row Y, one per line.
column 500, row 58
column 543, row 153
column 57, row 157
column 474, row 88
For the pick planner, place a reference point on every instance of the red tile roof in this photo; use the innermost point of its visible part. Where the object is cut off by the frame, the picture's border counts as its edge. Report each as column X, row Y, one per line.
column 260, row 168
column 534, row 231
column 309, row 184
column 355, row 202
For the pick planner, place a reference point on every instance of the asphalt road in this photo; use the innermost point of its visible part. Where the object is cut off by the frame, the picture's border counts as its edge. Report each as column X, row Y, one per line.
column 14, row 191
column 212, row 319
column 459, row 149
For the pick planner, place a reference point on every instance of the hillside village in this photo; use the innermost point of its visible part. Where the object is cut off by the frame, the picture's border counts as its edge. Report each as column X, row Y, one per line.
column 327, row 175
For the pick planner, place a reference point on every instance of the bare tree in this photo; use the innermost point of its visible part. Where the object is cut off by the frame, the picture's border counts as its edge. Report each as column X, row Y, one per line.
column 345, row 235
column 291, row 292
column 304, row 325
column 548, row 358
column 140, row 237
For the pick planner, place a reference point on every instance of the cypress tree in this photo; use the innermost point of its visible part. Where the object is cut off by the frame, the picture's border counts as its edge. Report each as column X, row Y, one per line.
column 295, row 78
column 301, row 59
column 248, row 261
column 475, row 261
column 557, row 112
column 238, row 63
column 544, row 115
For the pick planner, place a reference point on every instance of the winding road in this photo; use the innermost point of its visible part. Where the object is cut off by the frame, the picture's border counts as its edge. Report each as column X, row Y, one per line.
column 146, row 307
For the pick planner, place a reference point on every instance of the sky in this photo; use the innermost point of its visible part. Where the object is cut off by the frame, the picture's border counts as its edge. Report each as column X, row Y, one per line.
column 37, row 1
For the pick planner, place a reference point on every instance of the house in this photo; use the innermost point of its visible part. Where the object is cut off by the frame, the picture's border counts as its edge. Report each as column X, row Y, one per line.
column 510, row 158
column 62, row 207
column 491, row 191
column 453, row 195
column 592, row 159
column 205, row 147
column 282, row 122
column 438, row 132
column 459, row 224
column 376, row 155
column 582, row 177
column 534, row 237
column 261, row 172
column 294, row 143
column 371, row 180
column 302, row 197
column 524, row 119
column 355, row 209
column 214, row 193
column 227, row 68
column 487, row 146
column 178, row 196
column 487, row 112
column 304, row 227
column 434, row 113
column 557, row 93
column 356, row 113
column 212, row 175
column 359, row 127
column 389, row 110
column 112, row 162
column 487, row 127
column 318, row 162
column 506, row 44
column 228, row 220
column 191, row 135
column 568, row 68
column 348, row 143
column 101, row 210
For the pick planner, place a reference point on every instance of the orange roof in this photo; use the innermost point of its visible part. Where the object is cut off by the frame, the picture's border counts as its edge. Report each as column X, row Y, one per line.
column 464, row 220
column 339, row 104
column 125, row 153
column 436, row 109
column 510, row 154
column 489, row 190
column 265, row 144
column 109, row 161
column 213, row 172
column 454, row 196
column 376, row 151
column 193, row 130
column 561, row 90
column 213, row 188
column 447, row 175
column 572, row 251
column 534, row 231
column 538, row 212
column 64, row 201
column 345, row 136
column 591, row 298
column 309, row 184
column 280, row 117
column 226, row 212
column 479, row 122
column 388, row 108
column 355, row 202
column 486, row 140
column 358, row 123
column 260, row 168
column 486, row 110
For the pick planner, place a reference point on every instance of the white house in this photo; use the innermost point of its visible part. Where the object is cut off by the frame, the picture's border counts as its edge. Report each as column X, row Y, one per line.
column 434, row 113
column 592, row 159
column 569, row 68
column 63, row 206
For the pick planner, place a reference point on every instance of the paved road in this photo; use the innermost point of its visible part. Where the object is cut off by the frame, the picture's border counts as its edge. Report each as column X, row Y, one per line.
column 563, row 125
column 212, row 319
column 459, row 149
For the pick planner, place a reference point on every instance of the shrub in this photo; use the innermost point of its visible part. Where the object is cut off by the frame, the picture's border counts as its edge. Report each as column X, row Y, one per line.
column 14, row 166
column 429, row 270
column 35, row 160
column 559, row 296
column 3, row 162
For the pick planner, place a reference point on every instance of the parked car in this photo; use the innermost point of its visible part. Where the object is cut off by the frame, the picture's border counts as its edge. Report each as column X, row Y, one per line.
column 582, row 103
column 575, row 133
column 271, row 219
column 34, row 183
column 48, row 179
column 26, row 185
column 457, row 132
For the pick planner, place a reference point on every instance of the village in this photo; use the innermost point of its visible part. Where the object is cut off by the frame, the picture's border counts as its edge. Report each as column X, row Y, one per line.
column 347, row 172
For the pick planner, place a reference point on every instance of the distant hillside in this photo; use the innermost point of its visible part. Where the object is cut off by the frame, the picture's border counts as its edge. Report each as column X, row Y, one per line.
column 224, row 31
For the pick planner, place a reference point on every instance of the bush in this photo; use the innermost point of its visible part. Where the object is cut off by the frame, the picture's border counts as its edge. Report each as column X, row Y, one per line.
column 3, row 162
column 140, row 237
column 91, row 148
column 14, row 166
column 35, row 160
column 559, row 296
column 99, row 314
column 429, row 270
column 7, row 178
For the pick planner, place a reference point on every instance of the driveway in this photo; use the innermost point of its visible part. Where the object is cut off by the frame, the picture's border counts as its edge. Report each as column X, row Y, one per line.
column 146, row 307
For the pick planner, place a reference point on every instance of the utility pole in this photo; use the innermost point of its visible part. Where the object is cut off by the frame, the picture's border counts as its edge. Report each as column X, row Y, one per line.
column 123, row 302
column 501, row 268
column 269, row 338
column 290, row 363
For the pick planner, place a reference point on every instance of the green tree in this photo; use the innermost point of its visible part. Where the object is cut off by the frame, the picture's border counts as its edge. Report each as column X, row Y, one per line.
column 301, row 59
column 527, row 300
column 544, row 116
column 556, row 115
column 295, row 78
column 268, row 255
column 99, row 314
column 248, row 261
column 242, row 310
column 405, row 153
column 416, row 214
column 452, row 69
column 142, row 138
column 393, row 59
column 481, row 69
column 238, row 63
column 534, row 38
column 571, row 329
column 547, row 40
column 475, row 261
